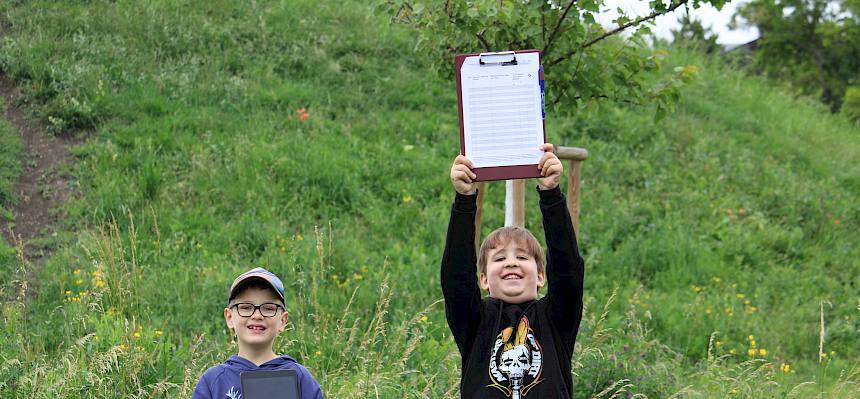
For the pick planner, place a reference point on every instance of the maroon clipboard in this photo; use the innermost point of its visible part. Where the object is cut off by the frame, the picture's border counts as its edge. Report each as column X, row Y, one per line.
column 494, row 172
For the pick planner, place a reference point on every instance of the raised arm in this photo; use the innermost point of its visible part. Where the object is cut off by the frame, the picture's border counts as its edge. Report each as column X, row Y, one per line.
column 565, row 267
column 459, row 262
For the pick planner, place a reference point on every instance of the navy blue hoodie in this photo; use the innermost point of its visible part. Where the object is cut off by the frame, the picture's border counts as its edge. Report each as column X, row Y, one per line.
column 222, row 381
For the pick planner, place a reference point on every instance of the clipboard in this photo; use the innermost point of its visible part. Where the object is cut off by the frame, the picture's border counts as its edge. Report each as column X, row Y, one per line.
column 270, row 384
column 498, row 60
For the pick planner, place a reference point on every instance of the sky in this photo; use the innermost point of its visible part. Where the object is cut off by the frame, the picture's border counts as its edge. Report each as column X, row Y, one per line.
column 718, row 21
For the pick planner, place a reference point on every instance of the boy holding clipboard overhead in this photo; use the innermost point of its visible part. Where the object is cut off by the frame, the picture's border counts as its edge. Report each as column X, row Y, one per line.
column 513, row 343
column 256, row 313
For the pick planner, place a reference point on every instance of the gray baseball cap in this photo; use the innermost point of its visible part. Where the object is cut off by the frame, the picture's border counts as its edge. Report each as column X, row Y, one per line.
column 261, row 274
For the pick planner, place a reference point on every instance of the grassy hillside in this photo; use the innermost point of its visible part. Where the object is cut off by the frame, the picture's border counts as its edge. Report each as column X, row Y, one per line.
column 10, row 168
column 308, row 138
column 10, row 163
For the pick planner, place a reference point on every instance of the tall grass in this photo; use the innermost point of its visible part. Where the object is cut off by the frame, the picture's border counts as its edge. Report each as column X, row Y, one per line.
column 11, row 152
column 10, row 164
column 308, row 138
column 355, row 357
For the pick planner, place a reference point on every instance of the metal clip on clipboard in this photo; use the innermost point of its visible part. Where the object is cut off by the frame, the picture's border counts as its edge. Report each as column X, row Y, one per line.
column 500, row 58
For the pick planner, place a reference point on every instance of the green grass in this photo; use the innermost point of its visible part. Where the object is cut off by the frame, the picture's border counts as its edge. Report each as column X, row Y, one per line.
column 11, row 150
column 200, row 167
column 10, row 162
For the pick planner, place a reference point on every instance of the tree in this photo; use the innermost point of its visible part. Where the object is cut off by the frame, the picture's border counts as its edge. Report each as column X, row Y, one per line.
column 815, row 44
column 582, row 61
column 693, row 34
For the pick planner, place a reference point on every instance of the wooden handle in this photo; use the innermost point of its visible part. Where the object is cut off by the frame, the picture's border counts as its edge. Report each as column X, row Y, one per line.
column 571, row 153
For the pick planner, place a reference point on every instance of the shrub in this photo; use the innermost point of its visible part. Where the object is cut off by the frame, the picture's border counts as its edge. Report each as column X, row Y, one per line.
column 851, row 104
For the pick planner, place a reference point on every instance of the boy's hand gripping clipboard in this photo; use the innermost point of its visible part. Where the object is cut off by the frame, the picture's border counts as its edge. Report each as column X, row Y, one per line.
column 501, row 104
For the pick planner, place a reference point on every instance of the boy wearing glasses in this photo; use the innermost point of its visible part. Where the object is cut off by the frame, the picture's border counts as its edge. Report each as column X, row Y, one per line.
column 255, row 311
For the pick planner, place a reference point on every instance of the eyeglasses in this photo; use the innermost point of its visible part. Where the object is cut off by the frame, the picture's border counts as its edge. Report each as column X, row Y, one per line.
column 248, row 309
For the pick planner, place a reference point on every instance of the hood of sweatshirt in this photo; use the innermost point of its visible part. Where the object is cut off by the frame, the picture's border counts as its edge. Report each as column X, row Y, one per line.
column 223, row 381
column 240, row 363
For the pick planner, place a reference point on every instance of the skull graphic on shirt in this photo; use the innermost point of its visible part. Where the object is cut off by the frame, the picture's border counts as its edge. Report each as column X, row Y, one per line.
column 516, row 361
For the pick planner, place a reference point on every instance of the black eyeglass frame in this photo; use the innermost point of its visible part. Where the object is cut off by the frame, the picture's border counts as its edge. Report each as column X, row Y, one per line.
column 257, row 308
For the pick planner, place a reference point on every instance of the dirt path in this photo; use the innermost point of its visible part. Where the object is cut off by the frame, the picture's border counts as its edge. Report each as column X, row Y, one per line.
column 43, row 186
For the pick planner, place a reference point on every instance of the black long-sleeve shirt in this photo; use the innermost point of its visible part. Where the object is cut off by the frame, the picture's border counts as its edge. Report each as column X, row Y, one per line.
column 514, row 350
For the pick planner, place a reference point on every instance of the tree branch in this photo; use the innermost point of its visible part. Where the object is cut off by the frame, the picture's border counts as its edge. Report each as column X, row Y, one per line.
column 599, row 97
column 543, row 23
column 483, row 41
column 557, row 27
column 619, row 29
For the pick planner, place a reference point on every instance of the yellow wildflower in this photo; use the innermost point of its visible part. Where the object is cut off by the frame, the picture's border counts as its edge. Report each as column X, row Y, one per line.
column 158, row 333
column 740, row 296
column 79, row 281
column 750, row 352
column 751, row 338
column 299, row 237
column 317, row 353
column 137, row 334
column 77, row 272
column 423, row 318
column 716, row 280
column 762, row 352
column 697, row 289
column 732, row 351
column 407, row 199
column 785, row 368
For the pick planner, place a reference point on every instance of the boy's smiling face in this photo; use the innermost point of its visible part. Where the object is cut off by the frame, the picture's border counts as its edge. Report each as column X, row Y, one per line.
column 512, row 273
column 256, row 330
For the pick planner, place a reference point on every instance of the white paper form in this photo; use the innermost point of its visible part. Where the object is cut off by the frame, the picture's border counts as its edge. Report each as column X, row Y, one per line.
column 502, row 112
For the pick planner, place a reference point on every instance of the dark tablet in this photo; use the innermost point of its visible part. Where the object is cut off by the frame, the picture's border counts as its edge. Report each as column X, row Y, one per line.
column 270, row 384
